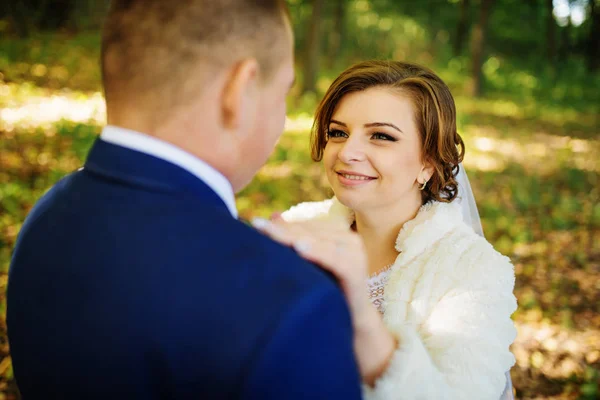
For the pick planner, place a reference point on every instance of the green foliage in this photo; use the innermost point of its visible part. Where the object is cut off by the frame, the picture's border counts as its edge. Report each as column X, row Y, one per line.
column 48, row 60
column 591, row 388
column 532, row 146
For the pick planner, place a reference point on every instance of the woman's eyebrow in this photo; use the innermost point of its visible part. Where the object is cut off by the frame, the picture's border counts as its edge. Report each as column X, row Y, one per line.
column 333, row 121
column 372, row 124
column 369, row 125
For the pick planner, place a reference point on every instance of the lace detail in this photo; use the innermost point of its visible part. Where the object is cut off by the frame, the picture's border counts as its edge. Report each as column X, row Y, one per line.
column 376, row 285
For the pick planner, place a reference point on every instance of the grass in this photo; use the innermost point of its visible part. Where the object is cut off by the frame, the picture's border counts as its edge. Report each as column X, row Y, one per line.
column 532, row 158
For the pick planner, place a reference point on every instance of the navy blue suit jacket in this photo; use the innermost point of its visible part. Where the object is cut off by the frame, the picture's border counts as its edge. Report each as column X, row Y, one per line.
column 130, row 279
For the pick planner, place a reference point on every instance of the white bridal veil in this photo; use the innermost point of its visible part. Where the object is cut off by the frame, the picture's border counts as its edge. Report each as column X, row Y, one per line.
column 471, row 217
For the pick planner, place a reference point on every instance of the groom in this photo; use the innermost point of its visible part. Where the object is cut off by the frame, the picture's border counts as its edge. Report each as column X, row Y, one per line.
column 132, row 278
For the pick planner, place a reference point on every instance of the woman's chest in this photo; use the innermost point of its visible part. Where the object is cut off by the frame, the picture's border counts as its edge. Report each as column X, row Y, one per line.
column 411, row 288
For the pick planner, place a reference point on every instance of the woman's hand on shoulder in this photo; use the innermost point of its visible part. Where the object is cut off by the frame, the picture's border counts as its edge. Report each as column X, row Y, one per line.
column 337, row 249
column 333, row 247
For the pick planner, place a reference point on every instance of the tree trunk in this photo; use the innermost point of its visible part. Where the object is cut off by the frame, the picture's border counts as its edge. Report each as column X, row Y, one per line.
column 311, row 62
column 337, row 34
column 565, row 42
column 550, row 33
column 17, row 11
column 461, row 29
column 593, row 50
column 46, row 15
column 478, row 46
column 51, row 15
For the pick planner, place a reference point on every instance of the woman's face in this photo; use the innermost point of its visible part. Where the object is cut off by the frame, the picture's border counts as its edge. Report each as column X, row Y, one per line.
column 373, row 153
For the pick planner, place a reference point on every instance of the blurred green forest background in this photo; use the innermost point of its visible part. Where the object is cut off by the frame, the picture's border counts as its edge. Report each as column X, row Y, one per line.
column 525, row 78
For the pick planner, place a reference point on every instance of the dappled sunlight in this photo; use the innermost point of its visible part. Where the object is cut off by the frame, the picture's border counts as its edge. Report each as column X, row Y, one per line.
column 301, row 123
column 554, row 351
column 527, row 115
column 540, row 152
column 497, row 107
column 532, row 149
column 277, row 171
column 484, row 162
column 42, row 111
column 533, row 164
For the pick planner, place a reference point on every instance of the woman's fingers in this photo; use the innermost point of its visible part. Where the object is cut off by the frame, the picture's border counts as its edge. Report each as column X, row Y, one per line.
column 337, row 254
column 335, row 248
column 276, row 216
column 274, row 231
column 283, row 231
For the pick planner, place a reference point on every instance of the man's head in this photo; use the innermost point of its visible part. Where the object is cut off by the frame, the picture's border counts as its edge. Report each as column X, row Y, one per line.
column 208, row 76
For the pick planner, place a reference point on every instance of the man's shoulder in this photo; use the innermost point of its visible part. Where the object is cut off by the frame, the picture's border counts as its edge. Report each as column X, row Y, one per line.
column 229, row 248
column 49, row 199
column 249, row 248
column 254, row 280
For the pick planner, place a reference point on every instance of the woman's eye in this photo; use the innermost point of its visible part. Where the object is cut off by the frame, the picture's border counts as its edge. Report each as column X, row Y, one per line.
column 336, row 133
column 383, row 136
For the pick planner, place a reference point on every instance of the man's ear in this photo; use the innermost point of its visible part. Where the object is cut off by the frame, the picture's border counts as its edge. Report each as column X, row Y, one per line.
column 239, row 93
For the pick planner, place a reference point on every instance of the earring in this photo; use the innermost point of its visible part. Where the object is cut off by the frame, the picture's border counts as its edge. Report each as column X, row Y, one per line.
column 423, row 186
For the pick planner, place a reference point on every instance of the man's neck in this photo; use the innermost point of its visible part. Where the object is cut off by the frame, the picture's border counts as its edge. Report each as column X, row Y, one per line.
column 190, row 134
column 175, row 154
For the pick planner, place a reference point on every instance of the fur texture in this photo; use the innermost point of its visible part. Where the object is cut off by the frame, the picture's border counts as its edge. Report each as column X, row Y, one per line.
column 449, row 301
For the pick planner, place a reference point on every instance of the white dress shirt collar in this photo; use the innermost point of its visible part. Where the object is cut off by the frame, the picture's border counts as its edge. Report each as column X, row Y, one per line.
column 166, row 151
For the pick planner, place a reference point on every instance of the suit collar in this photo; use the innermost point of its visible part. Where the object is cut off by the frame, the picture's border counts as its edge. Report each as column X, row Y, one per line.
column 166, row 151
column 134, row 168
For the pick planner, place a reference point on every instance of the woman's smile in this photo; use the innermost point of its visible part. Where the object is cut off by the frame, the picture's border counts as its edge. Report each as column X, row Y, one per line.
column 373, row 151
column 349, row 178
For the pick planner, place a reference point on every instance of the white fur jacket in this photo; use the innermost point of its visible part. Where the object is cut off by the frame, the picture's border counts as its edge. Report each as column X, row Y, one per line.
column 449, row 301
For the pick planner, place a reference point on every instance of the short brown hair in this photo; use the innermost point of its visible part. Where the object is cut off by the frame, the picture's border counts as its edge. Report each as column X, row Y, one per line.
column 162, row 51
column 435, row 117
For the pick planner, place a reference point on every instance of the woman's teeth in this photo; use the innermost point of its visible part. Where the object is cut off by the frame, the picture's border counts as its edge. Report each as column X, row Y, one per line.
column 356, row 177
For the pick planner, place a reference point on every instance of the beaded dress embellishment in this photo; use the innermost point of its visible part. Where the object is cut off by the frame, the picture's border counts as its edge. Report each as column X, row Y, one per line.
column 376, row 285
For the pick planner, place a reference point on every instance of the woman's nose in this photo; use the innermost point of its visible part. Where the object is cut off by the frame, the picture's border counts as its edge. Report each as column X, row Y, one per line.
column 351, row 151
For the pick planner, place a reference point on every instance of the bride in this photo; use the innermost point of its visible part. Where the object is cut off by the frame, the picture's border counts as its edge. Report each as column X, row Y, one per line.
column 434, row 321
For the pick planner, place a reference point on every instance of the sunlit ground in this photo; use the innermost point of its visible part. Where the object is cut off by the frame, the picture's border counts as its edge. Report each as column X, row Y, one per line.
column 536, row 179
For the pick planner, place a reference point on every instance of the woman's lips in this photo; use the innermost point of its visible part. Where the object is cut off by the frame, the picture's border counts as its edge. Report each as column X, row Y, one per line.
column 352, row 178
